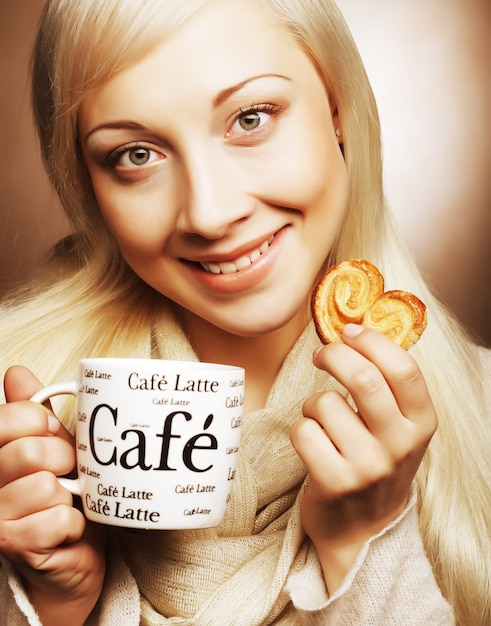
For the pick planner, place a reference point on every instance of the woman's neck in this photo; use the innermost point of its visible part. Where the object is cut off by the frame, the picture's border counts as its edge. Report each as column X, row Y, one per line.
column 261, row 356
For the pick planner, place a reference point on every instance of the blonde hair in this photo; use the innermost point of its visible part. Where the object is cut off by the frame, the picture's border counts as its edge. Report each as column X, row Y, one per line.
column 86, row 301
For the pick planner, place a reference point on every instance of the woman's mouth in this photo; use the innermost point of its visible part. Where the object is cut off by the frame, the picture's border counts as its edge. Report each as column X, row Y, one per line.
column 241, row 263
column 231, row 275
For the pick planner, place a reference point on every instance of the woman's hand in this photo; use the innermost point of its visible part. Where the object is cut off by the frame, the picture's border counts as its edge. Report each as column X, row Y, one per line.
column 46, row 539
column 361, row 463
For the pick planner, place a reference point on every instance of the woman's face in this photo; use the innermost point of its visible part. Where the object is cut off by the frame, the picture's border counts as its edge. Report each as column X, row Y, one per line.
column 216, row 166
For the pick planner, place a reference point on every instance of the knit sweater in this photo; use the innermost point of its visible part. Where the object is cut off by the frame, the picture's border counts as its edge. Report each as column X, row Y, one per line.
column 258, row 567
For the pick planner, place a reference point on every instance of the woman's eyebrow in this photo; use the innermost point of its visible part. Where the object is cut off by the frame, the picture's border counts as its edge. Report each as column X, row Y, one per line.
column 223, row 95
column 123, row 125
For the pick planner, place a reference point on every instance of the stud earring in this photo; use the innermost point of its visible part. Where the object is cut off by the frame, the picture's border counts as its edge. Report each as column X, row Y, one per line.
column 338, row 132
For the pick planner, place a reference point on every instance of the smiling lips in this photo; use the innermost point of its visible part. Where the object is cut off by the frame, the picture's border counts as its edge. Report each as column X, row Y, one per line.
column 231, row 267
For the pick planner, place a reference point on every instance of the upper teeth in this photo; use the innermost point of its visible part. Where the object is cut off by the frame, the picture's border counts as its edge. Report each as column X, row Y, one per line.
column 229, row 267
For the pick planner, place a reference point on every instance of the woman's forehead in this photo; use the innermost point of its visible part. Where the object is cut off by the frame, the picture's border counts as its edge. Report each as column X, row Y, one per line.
column 209, row 55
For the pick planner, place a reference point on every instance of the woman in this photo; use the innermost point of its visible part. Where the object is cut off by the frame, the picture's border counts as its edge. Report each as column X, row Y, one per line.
column 214, row 157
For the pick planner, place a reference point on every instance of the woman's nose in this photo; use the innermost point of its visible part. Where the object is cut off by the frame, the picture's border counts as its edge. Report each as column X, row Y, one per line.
column 213, row 197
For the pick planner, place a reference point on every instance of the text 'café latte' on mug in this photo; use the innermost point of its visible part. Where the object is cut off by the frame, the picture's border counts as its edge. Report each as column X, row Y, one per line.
column 157, row 441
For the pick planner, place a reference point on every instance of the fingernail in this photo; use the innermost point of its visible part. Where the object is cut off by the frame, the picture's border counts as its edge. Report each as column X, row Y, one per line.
column 53, row 424
column 350, row 331
column 316, row 351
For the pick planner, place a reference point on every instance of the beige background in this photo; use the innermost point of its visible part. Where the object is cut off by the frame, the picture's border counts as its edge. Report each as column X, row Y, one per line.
column 429, row 62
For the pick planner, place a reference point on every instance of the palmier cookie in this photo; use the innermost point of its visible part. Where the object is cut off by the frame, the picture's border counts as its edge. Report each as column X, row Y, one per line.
column 353, row 292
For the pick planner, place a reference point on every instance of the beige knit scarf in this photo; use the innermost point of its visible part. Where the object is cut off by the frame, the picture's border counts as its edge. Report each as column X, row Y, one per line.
column 234, row 574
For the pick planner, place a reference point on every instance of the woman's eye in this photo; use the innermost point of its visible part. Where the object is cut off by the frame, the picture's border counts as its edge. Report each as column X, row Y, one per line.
column 139, row 156
column 253, row 119
column 132, row 157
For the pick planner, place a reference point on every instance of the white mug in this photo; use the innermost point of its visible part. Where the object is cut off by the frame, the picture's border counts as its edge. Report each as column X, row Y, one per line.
column 156, row 441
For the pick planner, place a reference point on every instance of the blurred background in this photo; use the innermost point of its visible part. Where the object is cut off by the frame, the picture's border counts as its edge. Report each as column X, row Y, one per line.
column 429, row 62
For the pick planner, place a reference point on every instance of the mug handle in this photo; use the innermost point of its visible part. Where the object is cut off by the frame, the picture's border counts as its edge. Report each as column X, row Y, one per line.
column 71, row 388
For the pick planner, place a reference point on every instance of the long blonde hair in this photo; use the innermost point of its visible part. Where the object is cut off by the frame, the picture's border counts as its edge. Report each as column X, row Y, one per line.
column 86, row 301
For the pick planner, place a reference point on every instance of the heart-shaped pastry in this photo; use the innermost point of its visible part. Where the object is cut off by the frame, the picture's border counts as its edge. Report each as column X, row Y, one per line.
column 353, row 292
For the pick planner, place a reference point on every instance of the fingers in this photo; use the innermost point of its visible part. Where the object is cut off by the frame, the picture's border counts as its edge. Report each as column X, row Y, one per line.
column 347, row 449
column 331, row 414
column 385, row 382
column 327, row 466
column 41, row 490
column 20, row 384
column 23, row 419
column 342, row 455
column 29, row 455
column 32, row 540
column 27, row 444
